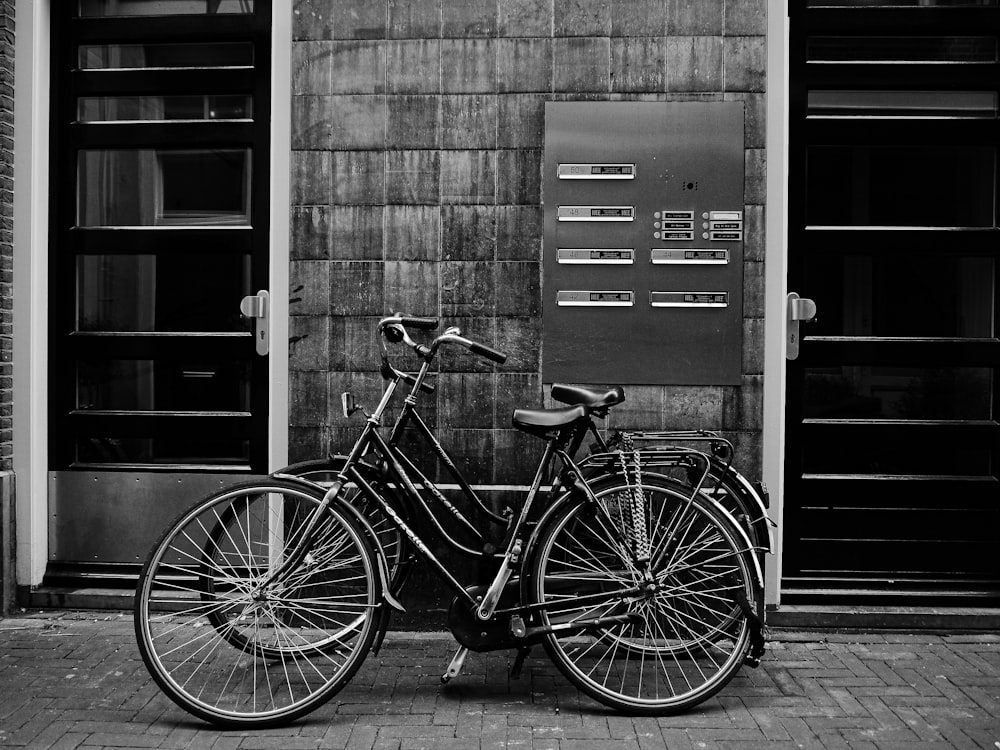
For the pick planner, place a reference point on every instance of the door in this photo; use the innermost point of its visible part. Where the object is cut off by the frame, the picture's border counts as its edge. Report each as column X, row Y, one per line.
column 893, row 454
column 158, row 232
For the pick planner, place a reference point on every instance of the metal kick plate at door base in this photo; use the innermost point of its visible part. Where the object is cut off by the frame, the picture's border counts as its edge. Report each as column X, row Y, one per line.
column 797, row 310
column 258, row 307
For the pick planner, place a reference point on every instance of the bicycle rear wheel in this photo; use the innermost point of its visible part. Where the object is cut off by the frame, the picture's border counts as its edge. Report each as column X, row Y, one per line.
column 679, row 634
column 241, row 654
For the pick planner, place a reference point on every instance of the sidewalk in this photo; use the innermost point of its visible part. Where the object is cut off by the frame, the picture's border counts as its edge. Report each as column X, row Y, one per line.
column 75, row 679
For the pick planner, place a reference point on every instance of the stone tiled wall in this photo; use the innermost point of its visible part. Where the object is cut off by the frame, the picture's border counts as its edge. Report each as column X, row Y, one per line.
column 6, row 304
column 416, row 173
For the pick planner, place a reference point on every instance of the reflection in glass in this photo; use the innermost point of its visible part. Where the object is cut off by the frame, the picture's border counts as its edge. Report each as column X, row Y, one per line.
column 192, row 450
column 163, row 187
column 930, row 186
column 145, row 385
column 172, row 55
column 937, row 295
column 904, row 49
column 166, row 293
column 909, row 393
column 902, row 104
column 131, row 108
column 111, row 8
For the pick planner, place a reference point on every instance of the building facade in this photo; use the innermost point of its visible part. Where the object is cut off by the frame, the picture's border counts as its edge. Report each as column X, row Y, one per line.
column 351, row 159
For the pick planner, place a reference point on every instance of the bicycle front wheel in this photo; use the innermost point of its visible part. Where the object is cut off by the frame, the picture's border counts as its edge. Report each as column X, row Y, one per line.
column 661, row 631
column 232, row 643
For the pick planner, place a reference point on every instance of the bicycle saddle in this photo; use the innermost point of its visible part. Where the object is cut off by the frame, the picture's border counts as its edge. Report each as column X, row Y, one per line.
column 541, row 422
column 594, row 398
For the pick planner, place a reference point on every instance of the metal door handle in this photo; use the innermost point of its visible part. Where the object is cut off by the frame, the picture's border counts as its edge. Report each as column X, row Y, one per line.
column 798, row 310
column 258, row 307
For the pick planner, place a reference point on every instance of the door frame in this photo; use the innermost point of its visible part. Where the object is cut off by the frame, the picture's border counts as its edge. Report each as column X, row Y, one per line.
column 31, row 233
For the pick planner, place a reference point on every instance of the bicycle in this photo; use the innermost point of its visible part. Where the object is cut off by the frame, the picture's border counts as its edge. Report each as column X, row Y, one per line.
column 261, row 601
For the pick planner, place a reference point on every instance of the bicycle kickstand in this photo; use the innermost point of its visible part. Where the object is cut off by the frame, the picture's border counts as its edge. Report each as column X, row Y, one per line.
column 455, row 666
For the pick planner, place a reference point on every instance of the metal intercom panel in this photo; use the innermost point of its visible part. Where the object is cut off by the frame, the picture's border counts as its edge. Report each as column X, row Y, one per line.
column 643, row 247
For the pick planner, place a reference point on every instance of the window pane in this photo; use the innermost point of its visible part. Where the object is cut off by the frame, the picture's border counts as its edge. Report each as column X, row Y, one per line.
column 193, row 450
column 902, row 104
column 149, row 293
column 144, row 385
column 178, row 55
column 128, row 108
column 918, row 295
column 861, row 392
column 108, row 8
column 164, row 187
column 936, row 186
column 908, row 49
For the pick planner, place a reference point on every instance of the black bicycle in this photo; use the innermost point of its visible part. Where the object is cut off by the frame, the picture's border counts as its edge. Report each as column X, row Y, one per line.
column 261, row 601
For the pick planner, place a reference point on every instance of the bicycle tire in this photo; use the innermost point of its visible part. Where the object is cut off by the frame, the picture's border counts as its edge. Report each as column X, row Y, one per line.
column 686, row 637
column 241, row 657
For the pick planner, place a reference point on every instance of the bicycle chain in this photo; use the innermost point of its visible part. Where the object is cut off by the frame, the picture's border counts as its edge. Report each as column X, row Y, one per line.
column 638, row 537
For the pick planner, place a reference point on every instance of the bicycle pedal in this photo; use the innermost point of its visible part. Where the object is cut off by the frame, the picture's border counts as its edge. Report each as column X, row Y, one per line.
column 515, row 669
column 455, row 666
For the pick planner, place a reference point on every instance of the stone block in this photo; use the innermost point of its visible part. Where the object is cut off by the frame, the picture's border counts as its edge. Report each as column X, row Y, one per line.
column 515, row 391
column 467, row 289
column 411, row 287
column 465, row 399
column 692, row 407
column 468, row 233
column 358, row 67
column 743, row 405
column 519, row 177
column 694, row 63
column 308, row 393
column 746, row 63
column 412, row 232
column 701, row 18
column 524, row 65
column 468, row 176
column 357, row 177
column 469, row 121
column 356, row 232
column 524, row 18
column 516, row 456
column 521, row 121
column 310, row 233
column 637, row 64
column 457, row 359
column 356, row 288
column 308, row 342
column 311, row 176
column 353, row 343
column 639, row 18
column 753, row 289
column 520, row 338
column 582, row 18
column 519, row 233
column 755, row 171
column 582, row 64
column 412, row 177
column 518, row 288
column 312, row 68
column 414, row 19
column 754, row 235
column 464, row 19
column 414, row 66
column 312, row 19
column 413, row 121
column 468, row 66
column 753, row 346
column 308, row 287
column 305, row 443
column 746, row 18
column 642, row 410
column 472, row 452
column 338, row 122
column 755, row 117
column 358, row 19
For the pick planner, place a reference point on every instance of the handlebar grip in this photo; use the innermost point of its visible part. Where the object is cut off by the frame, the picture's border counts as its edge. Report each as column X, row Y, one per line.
column 425, row 324
column 485, row 351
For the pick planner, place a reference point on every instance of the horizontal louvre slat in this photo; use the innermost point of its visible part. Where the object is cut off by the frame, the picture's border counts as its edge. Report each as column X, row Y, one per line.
column 160, row 240
column 900, row 493
column 910, row 76
column 163, row 135
column 890, row 557
column 900, row 132
column 837, row 351
column 197, row 27
column 899, row 525
column 163, row 81
column 138, row 424
column 841, row 430
column 882, row 240
column 166, row 346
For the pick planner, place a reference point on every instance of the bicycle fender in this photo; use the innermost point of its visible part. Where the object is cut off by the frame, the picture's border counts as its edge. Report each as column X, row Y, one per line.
column 747, row 490
column 366, row 528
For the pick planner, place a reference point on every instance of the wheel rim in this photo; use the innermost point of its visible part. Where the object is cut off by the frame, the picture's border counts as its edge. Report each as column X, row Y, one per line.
column 685, row 636
column 220, row 643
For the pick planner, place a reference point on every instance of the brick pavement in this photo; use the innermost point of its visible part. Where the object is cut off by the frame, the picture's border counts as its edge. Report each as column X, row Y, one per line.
column 75, row 680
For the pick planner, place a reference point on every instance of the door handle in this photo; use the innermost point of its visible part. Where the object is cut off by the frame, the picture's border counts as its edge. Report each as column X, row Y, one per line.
column 798, row 310
column 258, row 307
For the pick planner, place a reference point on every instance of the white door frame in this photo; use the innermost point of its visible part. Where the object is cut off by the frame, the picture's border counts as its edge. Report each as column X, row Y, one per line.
column 775, row 280
column 30, row 304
